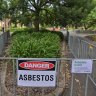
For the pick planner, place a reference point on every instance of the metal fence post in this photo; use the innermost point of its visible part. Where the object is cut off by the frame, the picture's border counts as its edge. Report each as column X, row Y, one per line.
column 84, row 53
column 83, row 50
column 78, row 48
column 86, row 86
column 0, row 84
column 3, row 35
column 1, row 79
column 14, row 78
column 69, row 41
column 72, row 80
column 58, row 72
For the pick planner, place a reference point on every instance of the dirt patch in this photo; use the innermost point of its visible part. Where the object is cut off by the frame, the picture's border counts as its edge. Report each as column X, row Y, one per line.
column 92, row 38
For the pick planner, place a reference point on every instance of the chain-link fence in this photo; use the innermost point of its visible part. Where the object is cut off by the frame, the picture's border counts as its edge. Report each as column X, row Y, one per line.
column 8, row 79
column 67, row 83
column 84, row 49
column 3, row 40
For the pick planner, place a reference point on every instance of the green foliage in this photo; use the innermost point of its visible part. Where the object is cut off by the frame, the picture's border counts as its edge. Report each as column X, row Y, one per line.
column 72, row 12
column 28, row 11
column 48, row 12
column 91, row 18
column 35, row 45
column 3, row 9
column 17, row 30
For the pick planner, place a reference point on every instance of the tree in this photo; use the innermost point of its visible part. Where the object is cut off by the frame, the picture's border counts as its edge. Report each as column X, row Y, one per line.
column 72, row 12
column 53, row 12
column 91, row 18
column 36, row 7
column 3, row 9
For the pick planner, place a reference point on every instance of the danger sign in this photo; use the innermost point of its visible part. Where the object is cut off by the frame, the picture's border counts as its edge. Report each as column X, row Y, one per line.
column 36, row 73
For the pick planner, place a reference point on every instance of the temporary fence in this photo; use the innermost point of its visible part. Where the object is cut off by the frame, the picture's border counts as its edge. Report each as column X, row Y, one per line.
column 85, row 31
column 84, row 49
column 67, row 83
column 3, row 40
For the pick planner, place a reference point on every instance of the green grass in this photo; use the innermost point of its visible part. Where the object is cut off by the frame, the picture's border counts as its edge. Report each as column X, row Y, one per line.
column 29, row 44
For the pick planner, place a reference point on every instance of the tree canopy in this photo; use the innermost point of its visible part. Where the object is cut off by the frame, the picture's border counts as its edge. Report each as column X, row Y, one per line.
column 49, row 12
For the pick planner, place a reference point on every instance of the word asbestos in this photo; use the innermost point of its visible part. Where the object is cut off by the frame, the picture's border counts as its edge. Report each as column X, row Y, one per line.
column 26, row 77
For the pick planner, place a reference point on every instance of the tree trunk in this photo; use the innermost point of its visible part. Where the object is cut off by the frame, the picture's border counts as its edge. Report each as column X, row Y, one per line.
column 76, row 26
column 36, row 22
column 85, row 26
column 15, row 24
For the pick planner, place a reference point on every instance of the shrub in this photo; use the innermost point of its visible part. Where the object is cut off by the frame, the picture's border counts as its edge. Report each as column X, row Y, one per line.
column 35, row 44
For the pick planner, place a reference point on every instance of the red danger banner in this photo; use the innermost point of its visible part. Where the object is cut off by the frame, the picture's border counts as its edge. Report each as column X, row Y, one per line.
column 36, row 65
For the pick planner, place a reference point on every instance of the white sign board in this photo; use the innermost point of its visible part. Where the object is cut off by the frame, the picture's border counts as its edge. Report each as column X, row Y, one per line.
column 36, row 73
column 82, row 66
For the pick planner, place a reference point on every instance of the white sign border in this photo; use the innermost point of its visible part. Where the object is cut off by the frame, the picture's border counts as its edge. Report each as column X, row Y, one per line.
column 40, row 59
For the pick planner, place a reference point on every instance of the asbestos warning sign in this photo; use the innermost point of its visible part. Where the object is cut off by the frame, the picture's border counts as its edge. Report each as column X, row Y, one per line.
column 36, row 73
column 82, row 66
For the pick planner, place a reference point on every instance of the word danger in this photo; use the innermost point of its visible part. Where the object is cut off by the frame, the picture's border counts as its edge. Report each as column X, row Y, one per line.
column 26, row 77
column 36, row 65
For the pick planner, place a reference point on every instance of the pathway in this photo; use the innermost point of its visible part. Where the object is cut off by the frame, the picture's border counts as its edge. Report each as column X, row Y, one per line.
column 74, row 33
column 80, row 79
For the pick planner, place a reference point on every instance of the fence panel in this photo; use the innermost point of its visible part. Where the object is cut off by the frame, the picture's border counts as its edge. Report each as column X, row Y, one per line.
column 1, row 43
column 67, row 84
column 84, row 49
column 3, row 40
column 8, row 81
